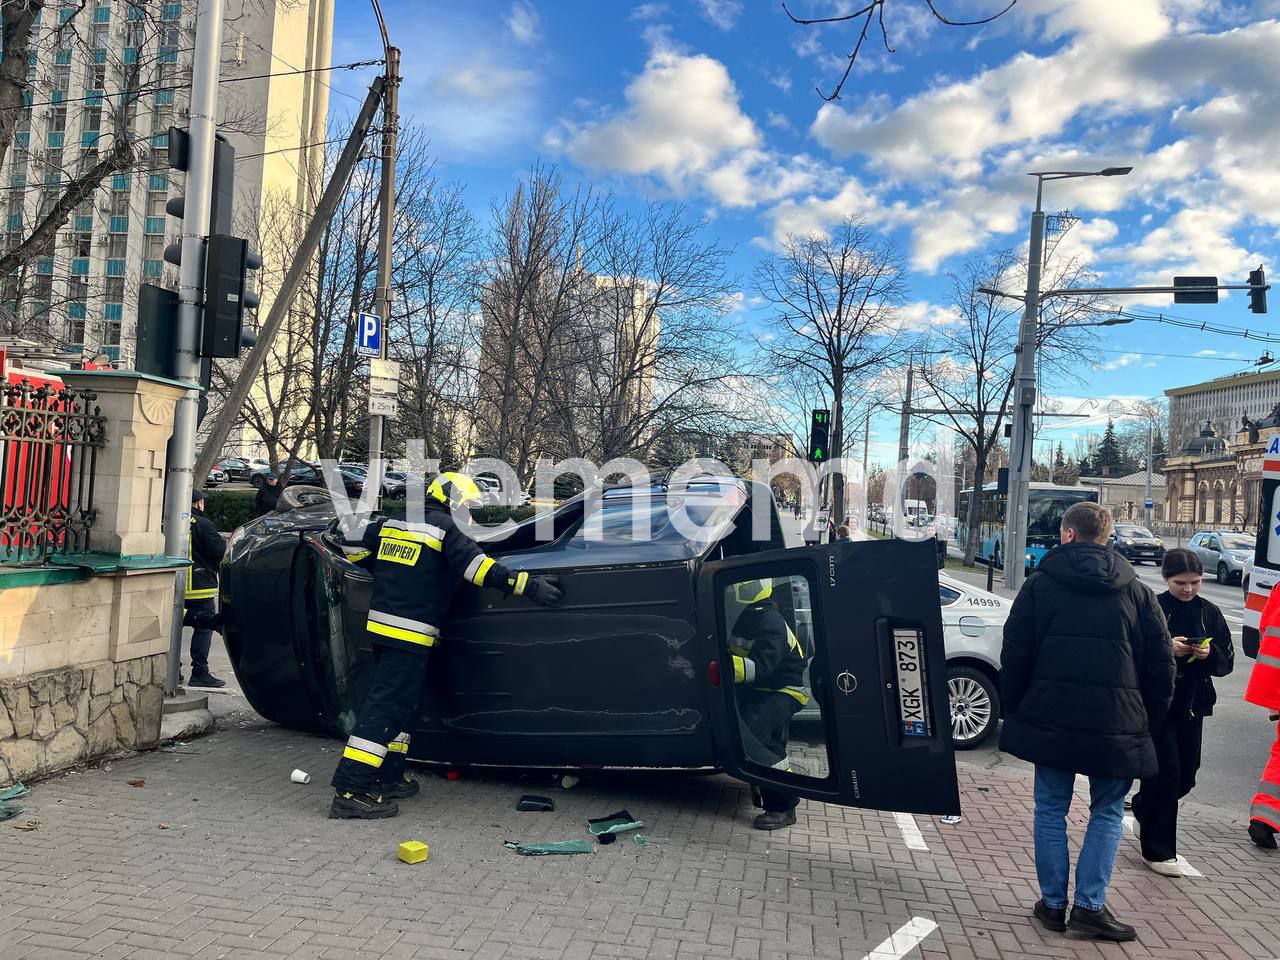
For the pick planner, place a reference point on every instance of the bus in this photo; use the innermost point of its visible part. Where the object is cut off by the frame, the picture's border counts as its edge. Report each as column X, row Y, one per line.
column 1048, row 502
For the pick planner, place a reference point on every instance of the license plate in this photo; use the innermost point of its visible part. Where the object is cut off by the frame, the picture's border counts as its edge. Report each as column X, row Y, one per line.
column 912, row 700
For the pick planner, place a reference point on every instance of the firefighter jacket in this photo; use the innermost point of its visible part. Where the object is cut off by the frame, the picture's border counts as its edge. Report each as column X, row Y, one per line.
column 205, row 547
column 1264, row 680
column 767, row 655
column 416, row 568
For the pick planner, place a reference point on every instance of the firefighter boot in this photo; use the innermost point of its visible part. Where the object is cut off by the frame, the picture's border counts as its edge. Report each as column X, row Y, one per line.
column 401, row 789
column 348, row 805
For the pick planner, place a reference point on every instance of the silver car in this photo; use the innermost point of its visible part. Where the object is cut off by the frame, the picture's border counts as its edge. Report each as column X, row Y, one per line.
column 1223, row 553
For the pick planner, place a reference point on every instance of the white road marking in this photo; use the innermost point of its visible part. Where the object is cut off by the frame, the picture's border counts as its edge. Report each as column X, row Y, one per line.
column 903, row 940
column 910, row 832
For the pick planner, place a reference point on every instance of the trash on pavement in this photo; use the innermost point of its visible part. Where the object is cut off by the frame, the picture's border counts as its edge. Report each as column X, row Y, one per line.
column 300, row 776
column 28, row 826
column 139, row 782
column 618, row 822
column 172, row 746
column 951, row 819
column 641, row 840
column 414, row 851
column 164, row 826
column 535, row 804
column 568, row 782
column 453, row 775
column 19, row 789
column 606, row 838
column 9, row 810
column 548, row 849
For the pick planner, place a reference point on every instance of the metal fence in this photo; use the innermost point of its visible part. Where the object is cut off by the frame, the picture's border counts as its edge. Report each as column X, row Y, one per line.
column 49, row 442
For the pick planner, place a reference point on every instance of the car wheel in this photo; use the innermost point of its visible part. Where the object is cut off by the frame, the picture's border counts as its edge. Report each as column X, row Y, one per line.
column 1224, row 575
column 975, row 706
column 256, row 481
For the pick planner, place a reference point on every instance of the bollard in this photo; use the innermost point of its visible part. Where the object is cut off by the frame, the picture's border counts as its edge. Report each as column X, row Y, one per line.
column 991, row 574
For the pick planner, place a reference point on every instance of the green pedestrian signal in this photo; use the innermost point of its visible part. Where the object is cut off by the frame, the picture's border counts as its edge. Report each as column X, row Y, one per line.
column 819, row 435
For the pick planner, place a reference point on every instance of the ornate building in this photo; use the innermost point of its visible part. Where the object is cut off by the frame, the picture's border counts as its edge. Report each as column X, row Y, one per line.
column 1214, row 481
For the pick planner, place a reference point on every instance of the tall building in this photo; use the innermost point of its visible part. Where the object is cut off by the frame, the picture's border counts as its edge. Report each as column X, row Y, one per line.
column 118, row 72
column 1221, row 403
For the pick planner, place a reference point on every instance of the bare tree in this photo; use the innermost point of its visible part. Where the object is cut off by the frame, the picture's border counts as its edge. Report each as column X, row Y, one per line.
column 873, row 12
column 974, row 381
column 835, row 319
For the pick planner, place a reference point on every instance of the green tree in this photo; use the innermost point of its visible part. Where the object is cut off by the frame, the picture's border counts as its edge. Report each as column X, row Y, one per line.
column 1109, row 458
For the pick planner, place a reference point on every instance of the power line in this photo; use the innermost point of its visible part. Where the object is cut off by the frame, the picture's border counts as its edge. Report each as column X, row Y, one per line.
column 1177, row 356
column 276, row 56
column 149, row 91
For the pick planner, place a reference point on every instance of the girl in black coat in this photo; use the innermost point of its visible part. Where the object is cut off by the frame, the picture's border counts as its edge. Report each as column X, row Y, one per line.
column 1202, row 650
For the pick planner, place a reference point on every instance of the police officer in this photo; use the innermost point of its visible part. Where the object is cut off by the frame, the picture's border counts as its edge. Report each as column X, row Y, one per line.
column 205, row 547
column 768, row 667
column 416, row 569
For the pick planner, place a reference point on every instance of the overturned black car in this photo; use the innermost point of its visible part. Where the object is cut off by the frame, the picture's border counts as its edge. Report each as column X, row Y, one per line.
column 634, row 668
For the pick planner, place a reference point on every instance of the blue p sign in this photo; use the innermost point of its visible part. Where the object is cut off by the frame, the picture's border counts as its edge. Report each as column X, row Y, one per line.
column 368, row 335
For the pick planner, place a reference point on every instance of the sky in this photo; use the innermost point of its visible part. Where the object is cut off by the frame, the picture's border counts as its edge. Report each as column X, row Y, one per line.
column 713, row 103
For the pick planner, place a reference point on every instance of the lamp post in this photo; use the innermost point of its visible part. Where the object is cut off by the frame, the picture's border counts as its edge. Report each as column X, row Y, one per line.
column 1015, row 533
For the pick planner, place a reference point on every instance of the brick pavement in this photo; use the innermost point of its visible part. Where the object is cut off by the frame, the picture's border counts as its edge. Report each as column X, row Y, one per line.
column 249, row 867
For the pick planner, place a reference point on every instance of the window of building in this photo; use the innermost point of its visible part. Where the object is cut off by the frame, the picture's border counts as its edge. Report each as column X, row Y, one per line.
column 119, row 203
column 92, row 119
column 83, row 244
column 114, row 292
column 58, row 119
column 117, row 245
column 101, row 34
column 154, row 248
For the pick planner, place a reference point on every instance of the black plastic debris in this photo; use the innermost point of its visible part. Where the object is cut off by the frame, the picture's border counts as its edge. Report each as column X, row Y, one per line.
column 530, row 803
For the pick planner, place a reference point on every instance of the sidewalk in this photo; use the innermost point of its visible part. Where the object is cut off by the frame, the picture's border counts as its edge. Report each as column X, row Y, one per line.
column 218, row 854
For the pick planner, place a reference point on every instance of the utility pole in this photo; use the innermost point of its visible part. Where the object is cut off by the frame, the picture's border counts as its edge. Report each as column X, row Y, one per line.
column 386, row 227
column 1023, row 434
column 1151, row 435
column 206, row 63
column 904, row 444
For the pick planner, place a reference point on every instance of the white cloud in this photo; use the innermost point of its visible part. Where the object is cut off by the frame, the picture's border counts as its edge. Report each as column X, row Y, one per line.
column 650, row 11
column 722, row 14
column 1120, row 362
column 475, row 106
column 684, row 126
column 777, row 120
column 781, row 80
column 523, row 23
column 921, row 316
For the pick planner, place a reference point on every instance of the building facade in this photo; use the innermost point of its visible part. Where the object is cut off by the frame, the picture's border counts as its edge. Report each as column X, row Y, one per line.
column 1221, row 402
column 113, row 75
column 1125, row 496
column 1215, row 481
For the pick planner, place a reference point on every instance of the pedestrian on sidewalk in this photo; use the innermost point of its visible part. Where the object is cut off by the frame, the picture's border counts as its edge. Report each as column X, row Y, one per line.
column 268, row 496
column 1086, row 672
column 1264, row 691
column 1202, row 650
column 205, row 548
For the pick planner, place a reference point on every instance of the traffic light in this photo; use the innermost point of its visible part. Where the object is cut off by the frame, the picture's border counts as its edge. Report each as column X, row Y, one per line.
column 226, row 288
column 1258, row 291
column 820, row 436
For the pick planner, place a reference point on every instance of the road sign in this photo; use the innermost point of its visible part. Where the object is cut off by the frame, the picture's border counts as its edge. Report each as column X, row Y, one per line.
column 368, row 335
column 382, row 405
column 381, row 369
column 1149, row 505
column 1196, row 296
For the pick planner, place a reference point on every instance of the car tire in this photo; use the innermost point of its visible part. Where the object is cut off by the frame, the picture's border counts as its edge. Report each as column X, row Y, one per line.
column 256, row 481
column 1224, row 575
column 975, row 706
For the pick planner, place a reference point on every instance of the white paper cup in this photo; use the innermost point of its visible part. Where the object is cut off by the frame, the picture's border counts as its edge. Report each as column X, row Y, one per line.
column 300, row 776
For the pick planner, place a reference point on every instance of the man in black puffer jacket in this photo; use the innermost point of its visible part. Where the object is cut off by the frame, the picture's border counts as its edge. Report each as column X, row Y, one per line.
column 1087, row 673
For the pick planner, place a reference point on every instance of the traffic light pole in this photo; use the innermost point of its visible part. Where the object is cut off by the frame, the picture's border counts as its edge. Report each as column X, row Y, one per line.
column 386, row 227
column 195, row 228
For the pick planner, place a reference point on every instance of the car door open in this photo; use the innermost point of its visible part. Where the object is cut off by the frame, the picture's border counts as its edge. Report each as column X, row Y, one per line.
column 855, row 629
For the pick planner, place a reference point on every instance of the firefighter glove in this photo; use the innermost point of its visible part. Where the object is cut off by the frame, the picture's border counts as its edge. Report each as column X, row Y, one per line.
column 544, row 590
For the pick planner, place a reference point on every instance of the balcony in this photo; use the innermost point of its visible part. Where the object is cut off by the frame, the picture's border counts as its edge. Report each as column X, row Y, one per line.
column 89, row 139
column 55, row 139
column 154, row 227
column 152, row 269
column 44, row 266
column 80, row 267
column 14, row 222
column 120, row 181
column 118, row 225
column 102, row 15
column 84, row 224
column 115, row 268
column 113, row 311
column 157, row 183
column 130, row 54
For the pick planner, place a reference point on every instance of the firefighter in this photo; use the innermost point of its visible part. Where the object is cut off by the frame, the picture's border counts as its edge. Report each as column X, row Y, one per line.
column 416, row 569
column 205, row 547
column 768, row 669
column 1264, row 691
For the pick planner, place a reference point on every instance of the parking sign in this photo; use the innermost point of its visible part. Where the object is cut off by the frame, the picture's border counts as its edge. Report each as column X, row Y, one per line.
column 368, row 335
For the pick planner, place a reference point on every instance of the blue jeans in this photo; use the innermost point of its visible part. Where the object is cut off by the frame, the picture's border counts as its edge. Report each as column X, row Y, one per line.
column 1101, row 839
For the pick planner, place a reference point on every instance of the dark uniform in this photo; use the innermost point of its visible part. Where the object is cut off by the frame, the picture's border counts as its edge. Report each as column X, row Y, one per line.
column 416, row 569
column 768, row 665
column 205, row 547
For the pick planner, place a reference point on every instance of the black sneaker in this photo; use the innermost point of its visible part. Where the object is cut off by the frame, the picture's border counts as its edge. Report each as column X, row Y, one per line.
column 401, row 789
column 206, row 680
column 1053, row 918
column 1100, row 924
column 775, row 819
column 1262, row 834
column 361, row 806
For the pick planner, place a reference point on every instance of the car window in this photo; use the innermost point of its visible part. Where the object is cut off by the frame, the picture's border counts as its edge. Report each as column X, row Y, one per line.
column 1237, row 543
column 1212, row 543
column 610, row 524
column 1133, row 531
column 947, row 596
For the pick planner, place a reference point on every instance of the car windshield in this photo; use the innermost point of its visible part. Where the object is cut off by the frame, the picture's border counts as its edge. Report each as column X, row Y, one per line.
column 1232, row 541
column 1133, row 532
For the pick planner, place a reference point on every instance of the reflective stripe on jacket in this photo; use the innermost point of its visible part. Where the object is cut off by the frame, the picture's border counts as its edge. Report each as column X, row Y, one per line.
column 205, row 547
column 770, row 657
column 1264, row 680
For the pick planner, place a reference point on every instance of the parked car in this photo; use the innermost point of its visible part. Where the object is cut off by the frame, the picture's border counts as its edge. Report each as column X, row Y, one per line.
column 631, row 670
column 235, row 468
column 302, row 472
column 1137, row 543
column 215, row 477
column 1224, row 552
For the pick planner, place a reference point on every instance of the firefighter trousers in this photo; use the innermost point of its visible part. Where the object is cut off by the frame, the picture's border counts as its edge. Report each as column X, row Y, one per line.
column 1266, row 802
column 376, row 750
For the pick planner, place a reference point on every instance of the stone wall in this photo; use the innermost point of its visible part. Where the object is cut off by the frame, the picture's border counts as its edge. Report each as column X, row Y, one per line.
column 52, row 720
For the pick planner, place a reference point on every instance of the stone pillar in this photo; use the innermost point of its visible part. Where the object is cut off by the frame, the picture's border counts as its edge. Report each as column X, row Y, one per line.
column 129, row 485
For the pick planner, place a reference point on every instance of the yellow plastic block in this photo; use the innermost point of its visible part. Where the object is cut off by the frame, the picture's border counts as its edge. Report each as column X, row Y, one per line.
column 414, row 851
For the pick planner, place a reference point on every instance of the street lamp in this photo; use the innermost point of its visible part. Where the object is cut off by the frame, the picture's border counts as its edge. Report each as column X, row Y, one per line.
column 1020, row 447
